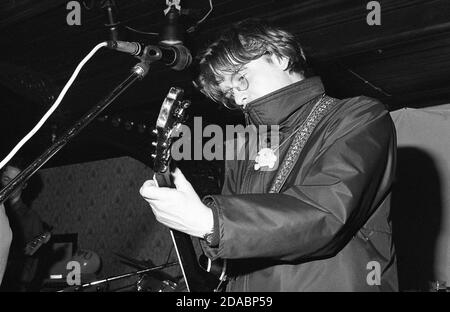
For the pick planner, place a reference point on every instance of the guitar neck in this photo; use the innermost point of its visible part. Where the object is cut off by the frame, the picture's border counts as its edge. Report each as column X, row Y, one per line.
column 196, row 278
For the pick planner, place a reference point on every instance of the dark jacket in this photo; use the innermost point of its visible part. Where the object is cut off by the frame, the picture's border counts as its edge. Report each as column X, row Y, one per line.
column 328, row 229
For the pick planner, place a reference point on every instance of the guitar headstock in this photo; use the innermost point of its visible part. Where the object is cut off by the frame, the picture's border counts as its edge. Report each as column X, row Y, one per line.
column 168, row 123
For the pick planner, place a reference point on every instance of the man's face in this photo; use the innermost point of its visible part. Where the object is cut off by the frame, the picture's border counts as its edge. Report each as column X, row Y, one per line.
column 264, row 75
column 8, row 174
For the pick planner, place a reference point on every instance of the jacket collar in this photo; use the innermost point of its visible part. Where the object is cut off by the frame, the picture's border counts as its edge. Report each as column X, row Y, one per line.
column 277, row 107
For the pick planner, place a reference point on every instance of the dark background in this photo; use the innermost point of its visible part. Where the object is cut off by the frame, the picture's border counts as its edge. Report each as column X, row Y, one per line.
column 403, row 62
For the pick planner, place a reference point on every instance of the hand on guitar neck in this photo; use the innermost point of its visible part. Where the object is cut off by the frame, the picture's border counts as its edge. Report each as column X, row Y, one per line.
column 176, row 204
column 174, row 201
column 179, row 208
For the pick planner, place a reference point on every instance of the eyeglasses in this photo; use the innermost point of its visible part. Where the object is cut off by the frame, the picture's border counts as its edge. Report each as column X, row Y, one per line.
column 238, row 82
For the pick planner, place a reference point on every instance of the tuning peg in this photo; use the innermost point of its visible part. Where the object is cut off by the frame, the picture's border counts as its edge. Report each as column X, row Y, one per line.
column 153, row 155
column 154, row 143
column 154, row 131
column 179, row 113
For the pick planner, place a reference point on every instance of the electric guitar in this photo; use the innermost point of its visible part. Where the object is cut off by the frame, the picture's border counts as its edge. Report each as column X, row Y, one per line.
column 36, row 243
column 168, row 123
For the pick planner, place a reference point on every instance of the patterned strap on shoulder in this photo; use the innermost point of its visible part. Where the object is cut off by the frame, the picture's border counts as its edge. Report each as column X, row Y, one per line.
column 308, row 126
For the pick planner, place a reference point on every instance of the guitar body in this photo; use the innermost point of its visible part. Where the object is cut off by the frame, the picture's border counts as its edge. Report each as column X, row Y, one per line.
column 197, row 279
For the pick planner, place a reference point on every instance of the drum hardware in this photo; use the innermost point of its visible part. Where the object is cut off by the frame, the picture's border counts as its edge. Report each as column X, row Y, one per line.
column 137, row 264
column 107, row 280
column 150, row 282
column 147, row 283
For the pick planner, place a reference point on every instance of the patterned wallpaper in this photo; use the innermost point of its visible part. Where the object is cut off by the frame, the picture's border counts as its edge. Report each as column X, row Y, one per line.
column 101, row 202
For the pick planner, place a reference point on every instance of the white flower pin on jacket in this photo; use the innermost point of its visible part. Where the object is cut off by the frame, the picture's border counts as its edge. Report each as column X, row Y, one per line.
column 266, row 158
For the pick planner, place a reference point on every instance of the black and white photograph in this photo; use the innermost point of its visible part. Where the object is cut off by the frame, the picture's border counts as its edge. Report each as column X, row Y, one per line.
column 232, row 149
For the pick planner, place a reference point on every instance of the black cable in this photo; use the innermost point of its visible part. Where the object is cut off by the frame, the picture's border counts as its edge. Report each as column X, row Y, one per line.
column 168, row 256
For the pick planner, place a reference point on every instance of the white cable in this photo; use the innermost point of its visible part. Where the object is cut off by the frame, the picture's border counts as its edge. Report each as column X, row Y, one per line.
column 191, row 29
column 53, row 107
column 207, row 14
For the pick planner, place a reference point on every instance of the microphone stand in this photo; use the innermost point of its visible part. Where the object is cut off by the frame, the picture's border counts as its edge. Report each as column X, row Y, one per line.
column 117, row 277
column 138, row 72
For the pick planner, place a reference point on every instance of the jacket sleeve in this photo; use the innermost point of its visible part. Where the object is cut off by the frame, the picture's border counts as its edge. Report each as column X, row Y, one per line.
column 317, row 216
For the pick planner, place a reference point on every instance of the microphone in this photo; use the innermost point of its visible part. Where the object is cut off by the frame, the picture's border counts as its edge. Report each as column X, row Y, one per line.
column 176, row 56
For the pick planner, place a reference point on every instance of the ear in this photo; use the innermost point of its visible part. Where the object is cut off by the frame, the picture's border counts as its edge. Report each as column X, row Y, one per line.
column 282, row 62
